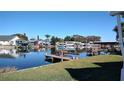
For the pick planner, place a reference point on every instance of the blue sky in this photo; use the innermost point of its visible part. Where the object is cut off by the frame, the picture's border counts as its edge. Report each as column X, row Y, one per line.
column 58, row 24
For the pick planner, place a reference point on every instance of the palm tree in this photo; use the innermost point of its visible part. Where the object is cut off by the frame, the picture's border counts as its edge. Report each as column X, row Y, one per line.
column 46, row 45
column 47, row 36
column 47, row 39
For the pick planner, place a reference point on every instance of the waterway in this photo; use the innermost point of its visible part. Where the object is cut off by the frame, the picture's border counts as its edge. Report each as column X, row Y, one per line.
column 23, row 60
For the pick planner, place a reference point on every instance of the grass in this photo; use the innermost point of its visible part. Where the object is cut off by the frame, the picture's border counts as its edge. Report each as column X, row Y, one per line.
column 103, row 67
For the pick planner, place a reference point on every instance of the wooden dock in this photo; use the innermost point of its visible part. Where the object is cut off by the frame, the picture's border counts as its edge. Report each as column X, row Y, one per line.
column 54, row 58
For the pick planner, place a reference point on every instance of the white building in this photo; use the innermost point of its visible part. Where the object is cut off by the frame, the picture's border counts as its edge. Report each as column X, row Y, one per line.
column 8, row 40
column 89, row 45
column 69, row 45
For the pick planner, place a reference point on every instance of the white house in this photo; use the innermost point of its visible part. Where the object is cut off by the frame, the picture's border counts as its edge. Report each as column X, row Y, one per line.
column 8, row 40
column 69, row 45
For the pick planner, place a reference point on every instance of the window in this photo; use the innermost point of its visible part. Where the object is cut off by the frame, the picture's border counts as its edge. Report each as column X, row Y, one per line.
column 11, row 42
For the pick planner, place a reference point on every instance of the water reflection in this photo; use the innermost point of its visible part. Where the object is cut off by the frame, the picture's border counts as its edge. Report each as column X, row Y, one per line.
column 77, row 53
column 12, row 53
column 22, row 59
column 30, row 58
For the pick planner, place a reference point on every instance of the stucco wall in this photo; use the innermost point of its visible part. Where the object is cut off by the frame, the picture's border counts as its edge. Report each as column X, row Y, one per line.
column 11, row 42
column 14, row 40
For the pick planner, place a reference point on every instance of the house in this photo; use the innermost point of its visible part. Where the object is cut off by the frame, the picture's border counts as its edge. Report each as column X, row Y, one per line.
column 69, row 45
column 88, row 45
column 66, row 45
column 108, row 45
column 104, row 48
column 8, row 40
column 111, row 47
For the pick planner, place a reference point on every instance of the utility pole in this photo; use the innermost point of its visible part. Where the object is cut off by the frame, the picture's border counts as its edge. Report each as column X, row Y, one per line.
column 121, row 42
column 119, row 15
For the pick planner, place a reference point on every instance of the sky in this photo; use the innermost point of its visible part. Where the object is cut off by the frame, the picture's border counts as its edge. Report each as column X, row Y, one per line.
column 58, row 23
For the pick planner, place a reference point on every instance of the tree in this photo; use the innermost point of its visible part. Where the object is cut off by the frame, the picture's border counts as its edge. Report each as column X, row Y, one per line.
column 55, row 39
column 79, row 38
column 83, row 39
column 93, row 38
column 68, row 38
column 47, row 36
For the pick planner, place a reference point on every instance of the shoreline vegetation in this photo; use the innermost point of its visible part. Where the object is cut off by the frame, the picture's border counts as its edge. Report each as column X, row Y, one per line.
column 95, row 68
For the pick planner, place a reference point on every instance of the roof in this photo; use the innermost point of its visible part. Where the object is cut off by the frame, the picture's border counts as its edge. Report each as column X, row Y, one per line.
column 6, row 37
column 113, row 13
column 106, row 43
column 69, row 41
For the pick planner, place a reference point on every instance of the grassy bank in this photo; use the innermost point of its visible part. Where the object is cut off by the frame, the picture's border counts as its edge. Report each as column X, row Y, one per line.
column 104, row 67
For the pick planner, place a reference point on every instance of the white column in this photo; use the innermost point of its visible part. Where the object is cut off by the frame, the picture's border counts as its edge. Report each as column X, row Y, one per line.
column 121, row 43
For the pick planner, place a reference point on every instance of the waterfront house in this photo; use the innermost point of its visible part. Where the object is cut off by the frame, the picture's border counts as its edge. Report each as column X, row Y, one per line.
column 38, row 43
column 70, row 45
column 66, row 45
column 60, row 45
column 88, row 45
column 104, row 48
column 8, row 40
column 107, row 46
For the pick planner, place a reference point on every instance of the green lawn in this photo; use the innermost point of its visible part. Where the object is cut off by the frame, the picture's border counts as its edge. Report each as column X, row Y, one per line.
column 104, row 67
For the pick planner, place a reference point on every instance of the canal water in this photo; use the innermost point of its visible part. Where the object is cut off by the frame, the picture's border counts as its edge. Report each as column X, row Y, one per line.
column 23, row 60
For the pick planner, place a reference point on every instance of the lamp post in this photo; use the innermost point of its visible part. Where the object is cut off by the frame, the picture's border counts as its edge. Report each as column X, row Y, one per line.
column 62, row 49
column 121, row 42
